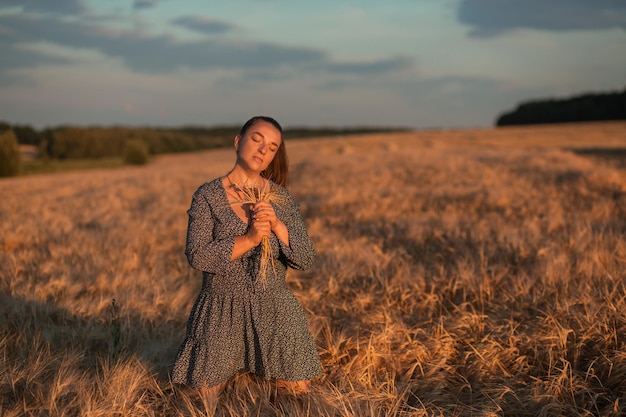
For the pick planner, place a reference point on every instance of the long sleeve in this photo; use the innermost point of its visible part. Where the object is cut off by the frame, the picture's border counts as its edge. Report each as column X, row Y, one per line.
column 299, row 253
column 203, row 251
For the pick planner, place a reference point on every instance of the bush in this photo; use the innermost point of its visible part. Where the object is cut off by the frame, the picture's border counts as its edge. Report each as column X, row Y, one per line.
column 135, row 152
column 10, row 158
column 42, row 151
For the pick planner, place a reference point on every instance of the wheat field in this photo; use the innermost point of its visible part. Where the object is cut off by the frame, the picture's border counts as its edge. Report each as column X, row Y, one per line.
column 476, row 272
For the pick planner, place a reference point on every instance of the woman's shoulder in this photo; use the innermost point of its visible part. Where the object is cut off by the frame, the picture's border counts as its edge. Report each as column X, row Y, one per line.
column 285, row 198
column 279, row 189
column 209, row 188
column 211, row 184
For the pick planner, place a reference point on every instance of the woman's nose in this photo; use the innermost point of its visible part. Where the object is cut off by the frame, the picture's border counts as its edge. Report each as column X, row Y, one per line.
column 263, row 148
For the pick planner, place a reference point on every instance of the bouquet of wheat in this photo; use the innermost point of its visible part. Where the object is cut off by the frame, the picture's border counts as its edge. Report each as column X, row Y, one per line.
column 252, row 195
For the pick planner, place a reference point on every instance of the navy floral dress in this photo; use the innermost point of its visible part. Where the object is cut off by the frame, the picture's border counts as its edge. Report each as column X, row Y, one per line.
column 239, row 323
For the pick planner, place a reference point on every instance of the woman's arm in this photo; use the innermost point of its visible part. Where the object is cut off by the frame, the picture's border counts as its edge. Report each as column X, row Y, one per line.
column 203, row 252
column 257, row 230
column 298, row 247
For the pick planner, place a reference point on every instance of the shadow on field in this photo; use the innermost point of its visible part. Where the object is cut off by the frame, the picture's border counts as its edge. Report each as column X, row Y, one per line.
column 54, row 362
column 614, row 156
column 46, row 334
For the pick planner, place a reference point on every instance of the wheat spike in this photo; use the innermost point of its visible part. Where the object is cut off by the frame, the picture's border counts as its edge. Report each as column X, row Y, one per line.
column 253, row 195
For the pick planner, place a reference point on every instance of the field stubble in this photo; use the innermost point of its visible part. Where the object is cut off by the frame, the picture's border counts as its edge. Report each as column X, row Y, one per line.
column 458, row 273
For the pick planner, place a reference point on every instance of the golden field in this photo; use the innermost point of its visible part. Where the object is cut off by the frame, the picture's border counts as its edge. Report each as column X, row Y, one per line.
column 476, row 272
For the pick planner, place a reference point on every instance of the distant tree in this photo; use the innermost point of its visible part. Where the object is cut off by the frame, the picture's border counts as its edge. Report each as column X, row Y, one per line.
column 79, row 142
column 26, row 135
column 10, row 158
column 45, row 149
column 135, row 152
column 587, row 107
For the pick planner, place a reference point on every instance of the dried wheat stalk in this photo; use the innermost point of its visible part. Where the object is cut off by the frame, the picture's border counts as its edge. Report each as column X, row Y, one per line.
column 253, row 195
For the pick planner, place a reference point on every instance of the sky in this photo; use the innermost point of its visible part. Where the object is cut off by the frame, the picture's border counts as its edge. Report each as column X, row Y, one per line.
column 403, row 63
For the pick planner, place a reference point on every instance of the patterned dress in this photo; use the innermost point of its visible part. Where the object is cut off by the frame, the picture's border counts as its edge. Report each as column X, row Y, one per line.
column 239, row 323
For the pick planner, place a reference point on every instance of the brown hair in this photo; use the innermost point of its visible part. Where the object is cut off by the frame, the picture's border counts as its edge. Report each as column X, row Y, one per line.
column 278, row 169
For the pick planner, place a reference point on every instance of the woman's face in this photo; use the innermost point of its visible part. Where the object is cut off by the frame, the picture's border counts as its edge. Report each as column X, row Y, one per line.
column 258, row 146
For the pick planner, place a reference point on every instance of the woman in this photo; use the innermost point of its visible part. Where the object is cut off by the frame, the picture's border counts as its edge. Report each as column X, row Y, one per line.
column 243, row 319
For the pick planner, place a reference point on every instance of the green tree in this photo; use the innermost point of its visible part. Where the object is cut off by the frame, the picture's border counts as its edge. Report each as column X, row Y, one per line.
column 135, row 152
column 10, row 158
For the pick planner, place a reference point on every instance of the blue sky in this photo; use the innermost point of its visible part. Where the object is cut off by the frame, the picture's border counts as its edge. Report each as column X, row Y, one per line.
column 419, row 63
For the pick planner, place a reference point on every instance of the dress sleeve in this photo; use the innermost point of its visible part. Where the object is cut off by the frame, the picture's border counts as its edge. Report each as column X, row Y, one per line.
column 299, row 253
column 203, row 251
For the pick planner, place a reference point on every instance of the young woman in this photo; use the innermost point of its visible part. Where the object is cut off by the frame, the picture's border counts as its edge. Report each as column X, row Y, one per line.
column 244, row 320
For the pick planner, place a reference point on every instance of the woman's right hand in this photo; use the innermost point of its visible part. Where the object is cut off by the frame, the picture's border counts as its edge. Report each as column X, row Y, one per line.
column 258, row 230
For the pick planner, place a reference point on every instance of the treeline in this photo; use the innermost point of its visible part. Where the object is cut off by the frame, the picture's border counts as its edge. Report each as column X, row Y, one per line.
column 73, row 142
column 582, row 108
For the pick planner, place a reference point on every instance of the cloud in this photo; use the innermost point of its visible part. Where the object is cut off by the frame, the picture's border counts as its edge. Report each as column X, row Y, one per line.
column 17, row 57
column 154, row 53
column 144, row 4
column 60, row 7
column 150, row 53
column 380, row 66
column 203, row 25
column 493, row 17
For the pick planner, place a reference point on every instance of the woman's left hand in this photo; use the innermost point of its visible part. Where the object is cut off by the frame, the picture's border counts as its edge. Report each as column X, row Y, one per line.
column 264, row 211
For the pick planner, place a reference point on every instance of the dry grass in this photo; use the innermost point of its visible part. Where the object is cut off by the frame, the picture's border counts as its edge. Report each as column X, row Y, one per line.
column 477, row 272
column 252, row 195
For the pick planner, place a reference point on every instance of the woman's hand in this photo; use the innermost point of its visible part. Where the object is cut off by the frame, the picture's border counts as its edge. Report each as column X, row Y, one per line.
column 258, row 230
column 263, row 211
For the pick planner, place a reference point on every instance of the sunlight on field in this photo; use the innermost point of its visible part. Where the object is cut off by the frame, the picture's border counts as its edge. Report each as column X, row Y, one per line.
column 477, row 272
